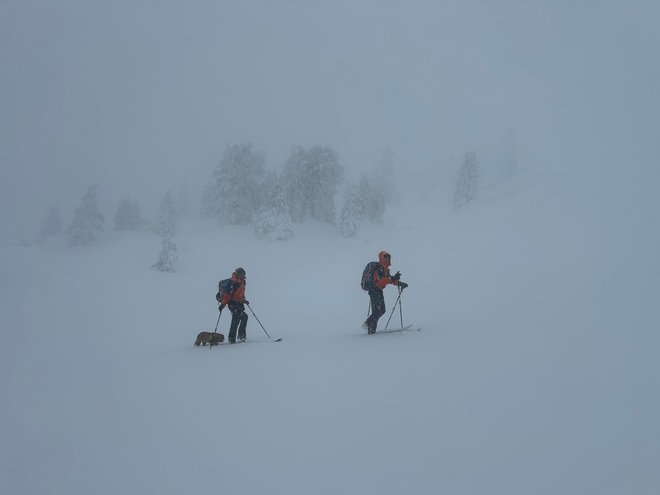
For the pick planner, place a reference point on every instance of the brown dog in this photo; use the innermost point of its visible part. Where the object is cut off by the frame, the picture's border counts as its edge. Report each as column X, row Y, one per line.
column 210, row 338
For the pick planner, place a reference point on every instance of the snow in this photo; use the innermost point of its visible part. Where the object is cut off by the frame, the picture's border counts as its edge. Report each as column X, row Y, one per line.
column 536, row 370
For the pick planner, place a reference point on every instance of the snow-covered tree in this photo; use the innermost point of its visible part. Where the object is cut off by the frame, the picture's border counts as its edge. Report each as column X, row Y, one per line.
column 294, row 178
column 467, row 184
column 166, row 216
column 51, row 223
column 352, row 211
column 87, row 220
column 165, row 226
column 311, row 179
column 232, row 196
column 128, row 216
column 167, row 258
column 273, row 220
column 373, row 197
column 383, row 179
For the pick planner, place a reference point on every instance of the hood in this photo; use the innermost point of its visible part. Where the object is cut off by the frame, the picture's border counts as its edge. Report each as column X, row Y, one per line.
column 239, row 274
column 384, row 258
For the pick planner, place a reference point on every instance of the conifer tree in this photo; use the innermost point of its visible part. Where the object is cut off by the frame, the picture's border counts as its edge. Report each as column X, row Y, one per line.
column 311, row 179
column 166, row 217
column 87, row 220
column 167, row 258
column 351, row 212
column 51, row 224
column 295, row 180
column 373, row 199
column 467, row 184
column 128, row 216
column 232, row 196
column 273, row 220
column 383, row 179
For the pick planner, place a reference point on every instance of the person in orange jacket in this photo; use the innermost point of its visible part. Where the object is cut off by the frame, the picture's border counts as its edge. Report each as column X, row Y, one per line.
column 232, row 294
column 379, row 280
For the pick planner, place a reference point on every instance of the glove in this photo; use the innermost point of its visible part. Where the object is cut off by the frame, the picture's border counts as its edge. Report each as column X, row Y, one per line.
column 221, row 307
column 396, row 276
column 245, row 301
column 403, row 285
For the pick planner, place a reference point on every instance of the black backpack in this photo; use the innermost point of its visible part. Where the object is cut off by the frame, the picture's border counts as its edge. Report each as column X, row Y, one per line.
column 368, row 275
column 225, row 286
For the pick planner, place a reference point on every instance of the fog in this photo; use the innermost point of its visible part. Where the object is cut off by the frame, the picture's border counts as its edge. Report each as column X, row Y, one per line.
column 139, row 97
column 536, row 370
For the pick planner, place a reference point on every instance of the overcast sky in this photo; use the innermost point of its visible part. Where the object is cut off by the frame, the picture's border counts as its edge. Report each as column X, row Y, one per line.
column 139, row 96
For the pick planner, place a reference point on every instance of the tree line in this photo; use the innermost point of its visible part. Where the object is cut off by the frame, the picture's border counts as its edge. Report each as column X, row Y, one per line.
column 241, row 191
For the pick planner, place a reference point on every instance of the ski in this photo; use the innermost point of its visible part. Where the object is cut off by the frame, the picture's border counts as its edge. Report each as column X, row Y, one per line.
column 408, row 328
column 390, row 330
column 247, row 342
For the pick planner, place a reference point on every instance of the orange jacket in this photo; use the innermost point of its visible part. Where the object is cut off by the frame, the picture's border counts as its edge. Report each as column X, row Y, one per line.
column 381, row 282
column 237, row 294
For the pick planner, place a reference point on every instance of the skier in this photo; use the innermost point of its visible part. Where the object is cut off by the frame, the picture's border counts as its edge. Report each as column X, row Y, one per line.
column 375, row 277
column 232, row 294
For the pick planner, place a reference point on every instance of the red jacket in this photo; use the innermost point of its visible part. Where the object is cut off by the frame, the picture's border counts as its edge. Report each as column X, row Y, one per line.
column 237, row 293
column 382, row 281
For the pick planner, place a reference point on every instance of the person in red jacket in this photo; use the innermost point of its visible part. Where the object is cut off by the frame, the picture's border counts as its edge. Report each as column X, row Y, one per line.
column 381, row 278
column 233, row 296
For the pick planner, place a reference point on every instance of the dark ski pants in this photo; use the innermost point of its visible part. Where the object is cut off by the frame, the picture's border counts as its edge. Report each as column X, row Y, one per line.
column 377, row 308
column 239, row 320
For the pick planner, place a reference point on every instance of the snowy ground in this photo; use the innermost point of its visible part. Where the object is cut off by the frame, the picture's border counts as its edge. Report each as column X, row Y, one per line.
column 536, row 371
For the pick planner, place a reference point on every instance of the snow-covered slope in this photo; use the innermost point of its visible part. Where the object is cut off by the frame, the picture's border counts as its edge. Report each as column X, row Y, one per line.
column 522, row 381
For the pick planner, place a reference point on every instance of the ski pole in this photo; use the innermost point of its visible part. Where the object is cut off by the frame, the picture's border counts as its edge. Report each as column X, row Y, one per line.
column 216, row 329
column 255, row 316
column 217, row 322
column 400, row 307
column 398, row 299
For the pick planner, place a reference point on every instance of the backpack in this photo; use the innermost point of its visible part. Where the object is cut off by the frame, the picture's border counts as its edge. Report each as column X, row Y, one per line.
column 368, row 275
column 224, row 287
